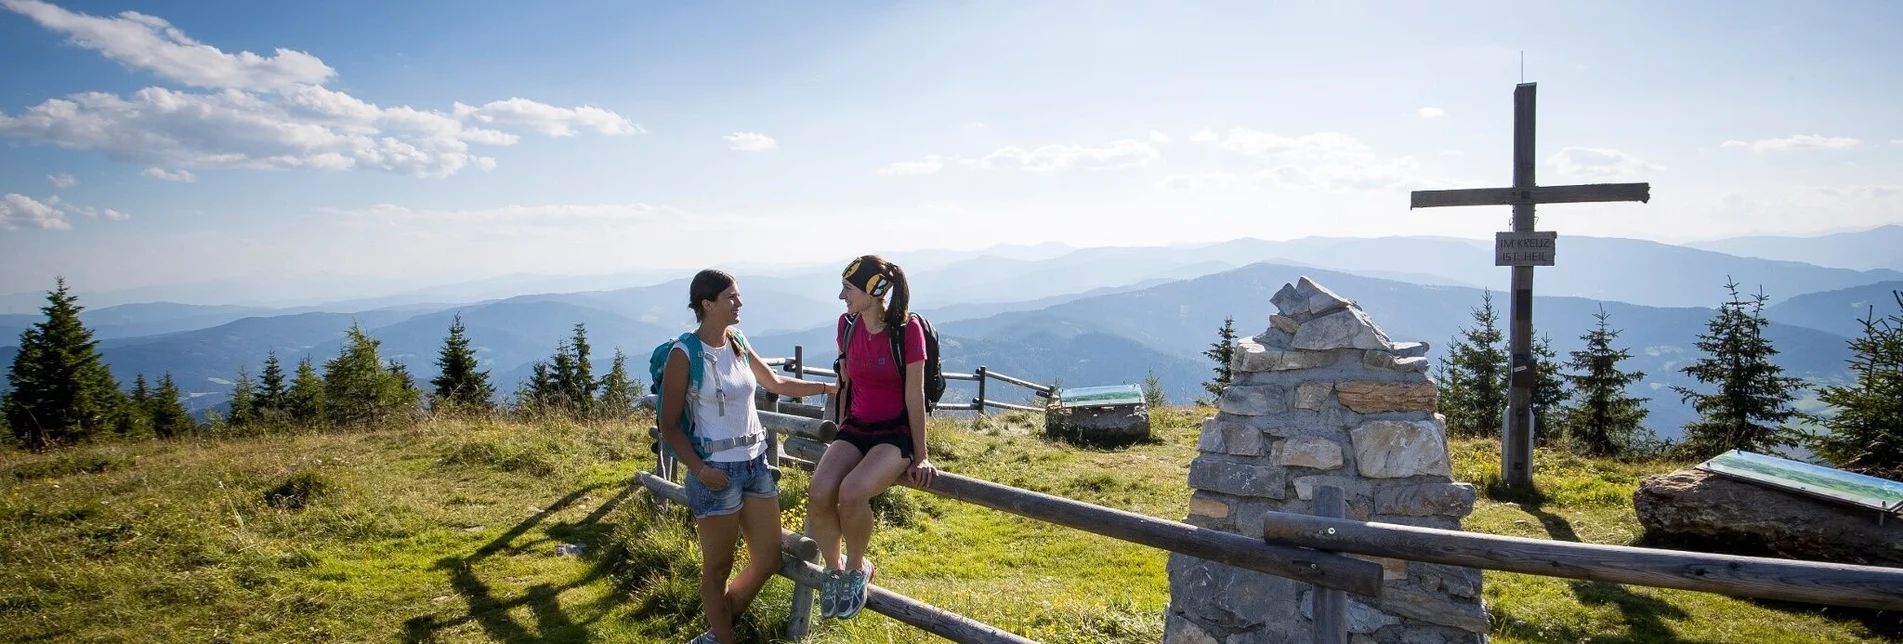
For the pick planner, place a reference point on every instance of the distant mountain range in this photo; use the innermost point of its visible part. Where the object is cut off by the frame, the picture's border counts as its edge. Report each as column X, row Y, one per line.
column 1047, row 312
column 1877, row 248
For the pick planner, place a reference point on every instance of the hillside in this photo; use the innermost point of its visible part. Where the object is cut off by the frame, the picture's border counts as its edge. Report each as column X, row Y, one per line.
column 446, row 532
column 1838, row 311
column 1880, row 247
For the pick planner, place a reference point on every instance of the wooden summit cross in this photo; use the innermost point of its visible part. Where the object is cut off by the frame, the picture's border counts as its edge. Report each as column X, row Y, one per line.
column 1522, row 249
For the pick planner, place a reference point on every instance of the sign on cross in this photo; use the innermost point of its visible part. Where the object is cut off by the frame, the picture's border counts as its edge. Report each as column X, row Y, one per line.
column 1523, row 248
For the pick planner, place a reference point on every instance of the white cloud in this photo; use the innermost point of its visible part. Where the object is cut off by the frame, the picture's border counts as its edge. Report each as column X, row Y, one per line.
column 181, row 176
column 1317, row 145
column 751, row 142
column 1797, row 142
column 1453, row 153
column 1896, row 141
column 1196, row 182
column 1431, row 112
column 1324, row 160
column 1588, row 164
column 116, row 215
column 152, row 44
column 267, row 112
column 20, row 211
column 1119, row 154
column 1159, row 138
column 975, row 125
column 1205, row 136
column 63, row 180
column 928, row 165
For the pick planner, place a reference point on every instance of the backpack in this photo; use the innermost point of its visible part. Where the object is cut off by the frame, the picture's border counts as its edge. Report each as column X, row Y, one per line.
column 657, row 366
column 934, row 372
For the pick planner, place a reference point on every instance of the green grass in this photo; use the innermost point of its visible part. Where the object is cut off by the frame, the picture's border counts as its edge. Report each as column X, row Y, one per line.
column 446, row 532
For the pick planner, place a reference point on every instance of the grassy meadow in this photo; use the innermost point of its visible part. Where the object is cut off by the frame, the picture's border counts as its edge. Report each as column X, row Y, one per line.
column 446, row 531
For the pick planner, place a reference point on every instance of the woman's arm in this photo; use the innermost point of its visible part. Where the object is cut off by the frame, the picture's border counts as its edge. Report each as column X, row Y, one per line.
column 785, row 386
column 921, row 471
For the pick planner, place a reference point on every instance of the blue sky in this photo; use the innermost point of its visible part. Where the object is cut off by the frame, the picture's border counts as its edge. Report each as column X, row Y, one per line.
column 422, row 141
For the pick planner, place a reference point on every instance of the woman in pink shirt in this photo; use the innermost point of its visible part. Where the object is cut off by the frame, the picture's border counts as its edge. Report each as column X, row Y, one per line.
column 881, row 426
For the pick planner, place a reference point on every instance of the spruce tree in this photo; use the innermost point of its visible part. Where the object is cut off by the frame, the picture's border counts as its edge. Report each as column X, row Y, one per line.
column 61, row 392
column 1753, row 400
column 462, row 386
column 244, row 412
column 135, row 416
column 1866, row 432
column 359, row 389
column 304, row 401
column 617, row 390
column 169, row 418
column 574, row 376
column 1549, row 391
column 1604, row 421
column 273, row 400
column 1473, row 392
column 1222, row 352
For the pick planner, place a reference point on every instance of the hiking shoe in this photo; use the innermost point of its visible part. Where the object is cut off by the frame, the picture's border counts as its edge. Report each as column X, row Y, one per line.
column 829, row 593
column 705, row 638
column 853, row 590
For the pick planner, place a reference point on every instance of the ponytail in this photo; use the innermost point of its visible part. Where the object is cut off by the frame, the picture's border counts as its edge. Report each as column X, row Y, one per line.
column 896, row 312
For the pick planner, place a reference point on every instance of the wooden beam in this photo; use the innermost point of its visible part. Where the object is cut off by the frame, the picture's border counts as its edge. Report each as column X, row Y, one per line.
column 792, row 425
column 795, row 546
column 1782, row 579
column 1323, row 569
column 1587, row 193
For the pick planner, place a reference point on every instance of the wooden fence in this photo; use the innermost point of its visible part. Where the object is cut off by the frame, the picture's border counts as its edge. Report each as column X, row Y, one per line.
column 1306, row 548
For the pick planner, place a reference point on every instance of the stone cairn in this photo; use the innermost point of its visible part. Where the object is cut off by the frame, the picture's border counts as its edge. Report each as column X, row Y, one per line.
column 1322, row 397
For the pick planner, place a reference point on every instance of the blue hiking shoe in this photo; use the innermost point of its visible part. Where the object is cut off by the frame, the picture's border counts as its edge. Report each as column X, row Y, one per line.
column 829, row 593
column 854, row 592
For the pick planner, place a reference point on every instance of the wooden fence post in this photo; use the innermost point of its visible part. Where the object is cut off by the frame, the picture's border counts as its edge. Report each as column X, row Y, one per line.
column 1331, row 605
column 799, row 368
column 981, row 389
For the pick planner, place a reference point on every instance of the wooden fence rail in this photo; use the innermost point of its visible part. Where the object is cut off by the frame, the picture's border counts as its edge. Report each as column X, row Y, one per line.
column 796, row 365
column 1783, row 579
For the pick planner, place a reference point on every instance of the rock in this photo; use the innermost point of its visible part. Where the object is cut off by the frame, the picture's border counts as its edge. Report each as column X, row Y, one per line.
column 1361, row 617
column 1453, row 580
column 1392, row 362
column 1253, row 400
column 1392, row 449
column 1452, row 499
column 1434, row 609
column 1183, row 631
column 1410, row 349
column 1230, row 438
column 1284, row 323
column 1306, row 451
column 1376, row 397
column 1348, row 328
column 1253, row 357
column 1320, row 299
column 1312, row 395
column 1238, row 478
column 1206, row 505
column 1351, row 489
column 1230, row 598
column 1700, row 504
column 1291, row 302
column 1113, row 425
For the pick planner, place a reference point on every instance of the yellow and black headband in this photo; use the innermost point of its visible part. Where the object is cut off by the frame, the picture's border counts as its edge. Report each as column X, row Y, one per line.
column 868, row 276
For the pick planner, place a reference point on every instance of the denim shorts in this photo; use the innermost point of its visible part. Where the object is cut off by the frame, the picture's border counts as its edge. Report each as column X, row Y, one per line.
column 744, row 478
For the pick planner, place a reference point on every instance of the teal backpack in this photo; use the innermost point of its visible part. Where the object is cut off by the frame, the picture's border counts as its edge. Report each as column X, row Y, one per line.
column 657, row 365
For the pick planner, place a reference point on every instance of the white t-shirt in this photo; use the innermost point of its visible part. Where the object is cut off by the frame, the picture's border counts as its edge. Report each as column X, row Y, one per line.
column 724, row 407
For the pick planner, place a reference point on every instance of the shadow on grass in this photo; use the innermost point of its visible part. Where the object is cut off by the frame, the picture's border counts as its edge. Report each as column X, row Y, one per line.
column 546, row 622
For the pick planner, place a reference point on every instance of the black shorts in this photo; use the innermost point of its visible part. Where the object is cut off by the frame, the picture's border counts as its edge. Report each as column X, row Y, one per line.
column 865, row 441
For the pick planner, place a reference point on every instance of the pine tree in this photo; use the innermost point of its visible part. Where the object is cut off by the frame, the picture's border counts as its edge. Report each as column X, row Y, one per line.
column 135, row 416
column 1222, row 352
column 1753, row 401
column 169, row 418
column 617, row 390
column 244, row 411
column 1605, row 421
column 61, row 392
column 1153, row 395
column 273, row 401
column 1549, row 391
column 1866, row 433
column 461, row 385
column 304, row 401
column 574, row 377
column 359, row 389
column 1473, row 392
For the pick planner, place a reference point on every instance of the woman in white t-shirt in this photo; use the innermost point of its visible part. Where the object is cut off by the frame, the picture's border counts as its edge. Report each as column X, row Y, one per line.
column 730, row 487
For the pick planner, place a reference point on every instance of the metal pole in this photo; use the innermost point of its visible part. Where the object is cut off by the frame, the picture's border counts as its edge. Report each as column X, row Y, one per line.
column 799, row 368
column 1516, row 452
column 981, row 389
